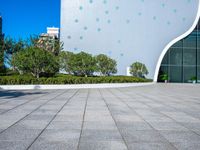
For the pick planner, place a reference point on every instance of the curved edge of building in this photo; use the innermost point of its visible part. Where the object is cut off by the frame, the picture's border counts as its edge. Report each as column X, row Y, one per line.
column 173, row 42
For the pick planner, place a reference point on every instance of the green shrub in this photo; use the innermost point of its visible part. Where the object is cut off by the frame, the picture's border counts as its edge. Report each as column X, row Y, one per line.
column 66, row 79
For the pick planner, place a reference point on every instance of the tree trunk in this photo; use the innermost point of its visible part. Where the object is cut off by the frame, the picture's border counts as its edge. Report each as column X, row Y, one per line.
column 38, row 76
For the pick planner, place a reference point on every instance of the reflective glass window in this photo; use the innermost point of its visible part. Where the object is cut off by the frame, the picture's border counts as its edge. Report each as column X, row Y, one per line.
column 176, row 56
column 188, row 73
column 198, row 74
column 189, row 56
column 190, row 41
column 175, row 74
column 165, row 60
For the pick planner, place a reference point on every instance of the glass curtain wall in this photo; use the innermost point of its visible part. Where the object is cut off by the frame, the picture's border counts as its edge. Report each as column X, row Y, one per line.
column 182, row 61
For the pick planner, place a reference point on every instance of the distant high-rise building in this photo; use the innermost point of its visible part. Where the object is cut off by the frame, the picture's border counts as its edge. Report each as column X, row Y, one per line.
column 52, row 31
column 50, row 40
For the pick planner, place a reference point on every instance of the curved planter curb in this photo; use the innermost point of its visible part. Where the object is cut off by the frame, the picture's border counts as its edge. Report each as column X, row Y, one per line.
column 72, row 86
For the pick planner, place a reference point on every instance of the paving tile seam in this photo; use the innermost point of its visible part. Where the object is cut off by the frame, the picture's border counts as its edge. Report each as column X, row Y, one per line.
column 143, row 120
column 169, row 116
column 126, row 119
column 168, row 93
column 23, row 91
column 173, row 95
column 67, row 101
column 182, row 96
column 33, row 111
column 83, row 120
column 11, row 99
column 173, row 119
column 153, row 100
column 123, row 139
column 28, row 101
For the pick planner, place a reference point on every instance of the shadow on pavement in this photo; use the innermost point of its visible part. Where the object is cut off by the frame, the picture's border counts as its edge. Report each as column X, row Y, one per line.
column 15, row 94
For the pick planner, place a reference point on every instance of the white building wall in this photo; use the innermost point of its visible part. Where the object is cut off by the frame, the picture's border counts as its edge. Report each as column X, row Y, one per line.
column 128, row 31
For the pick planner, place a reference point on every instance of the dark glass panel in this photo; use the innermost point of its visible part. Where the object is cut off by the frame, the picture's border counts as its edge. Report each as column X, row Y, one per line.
column 175, row 74
column 165, row 60
column 198, row 40
column 190, row 41
column 178, row 44
column 164, row 69
column 198, row 74
column 188, row 73
column 189, row 57
column 198, row 56
column 198, row 25
column 175, row 56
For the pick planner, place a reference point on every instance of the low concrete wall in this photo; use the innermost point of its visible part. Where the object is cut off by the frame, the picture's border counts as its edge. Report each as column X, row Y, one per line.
column 71, row 86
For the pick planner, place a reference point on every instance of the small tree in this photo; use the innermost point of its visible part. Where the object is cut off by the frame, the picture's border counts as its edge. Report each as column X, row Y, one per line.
column 106, row 65
column 35, row 61
column 138, row 69
column 66, row 62
column 2, row 67
column 9, row 47
column 83, row 64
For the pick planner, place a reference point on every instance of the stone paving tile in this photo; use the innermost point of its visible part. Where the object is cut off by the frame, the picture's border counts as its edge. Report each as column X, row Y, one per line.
column 33, row 124
column 181, row 136
column 39, row 117
column 182, row 117
column 142, row 136
column 14, row 145
column 193, row 126
column 60, row 135
column 102, row 145
column 187, row 145
column 104, row 135
column 169, row 126
column 19, row 133
column 65, row 125
column 43, row 144
column 99, row 125
column 64, row 131
column 101, row 135
column 155, row 117
column 134, row 125
column 151, row 146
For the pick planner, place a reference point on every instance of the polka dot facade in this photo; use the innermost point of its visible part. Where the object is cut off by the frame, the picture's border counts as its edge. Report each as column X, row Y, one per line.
column 145, row 27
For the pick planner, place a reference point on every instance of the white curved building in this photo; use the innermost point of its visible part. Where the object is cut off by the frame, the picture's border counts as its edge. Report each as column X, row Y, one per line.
column 128, row 31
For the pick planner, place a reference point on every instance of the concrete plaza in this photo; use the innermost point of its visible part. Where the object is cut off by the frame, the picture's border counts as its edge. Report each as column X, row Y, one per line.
column 157, row 117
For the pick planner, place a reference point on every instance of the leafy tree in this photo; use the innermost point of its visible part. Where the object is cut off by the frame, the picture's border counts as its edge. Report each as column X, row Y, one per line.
column 106, row 65
column 12, row 46
column 65, row 60
column 2, row 68
column 138, row 69
column 9, row 47
column 35, row 61
column 83, row 64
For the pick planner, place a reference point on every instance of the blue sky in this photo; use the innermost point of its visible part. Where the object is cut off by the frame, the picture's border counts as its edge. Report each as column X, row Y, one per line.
column 22, row 18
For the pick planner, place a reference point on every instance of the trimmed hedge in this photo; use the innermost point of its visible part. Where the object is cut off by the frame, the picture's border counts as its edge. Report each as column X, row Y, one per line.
column 67, row 79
